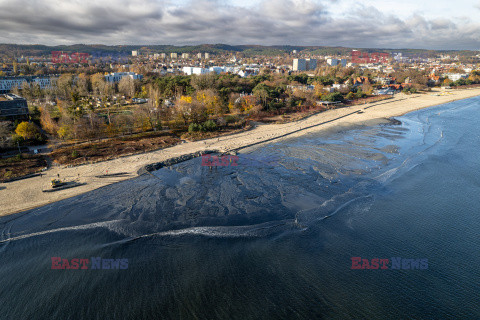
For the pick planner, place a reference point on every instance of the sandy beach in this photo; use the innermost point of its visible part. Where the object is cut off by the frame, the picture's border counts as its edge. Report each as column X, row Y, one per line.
column 26, row 194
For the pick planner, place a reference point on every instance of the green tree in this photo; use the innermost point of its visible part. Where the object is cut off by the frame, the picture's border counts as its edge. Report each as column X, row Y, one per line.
column 334, row 96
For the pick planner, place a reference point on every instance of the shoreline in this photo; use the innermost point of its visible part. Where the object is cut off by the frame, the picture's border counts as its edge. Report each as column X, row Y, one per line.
column 26, row 194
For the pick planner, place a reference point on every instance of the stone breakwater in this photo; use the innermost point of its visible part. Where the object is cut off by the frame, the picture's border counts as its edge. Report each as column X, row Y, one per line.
column 172, row 161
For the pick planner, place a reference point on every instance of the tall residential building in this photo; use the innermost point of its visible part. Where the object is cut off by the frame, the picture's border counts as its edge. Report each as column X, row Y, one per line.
column 199, row 55
column 135, row 53
column 311, row 64
column 173, row 55
column 299, row 64
column 185, row 56
column 332, row 62
column 207, row 55
column 304, row 64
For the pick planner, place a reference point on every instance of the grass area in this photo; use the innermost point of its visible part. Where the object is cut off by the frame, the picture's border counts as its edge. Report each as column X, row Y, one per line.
column 18, row 166
column 112, row 148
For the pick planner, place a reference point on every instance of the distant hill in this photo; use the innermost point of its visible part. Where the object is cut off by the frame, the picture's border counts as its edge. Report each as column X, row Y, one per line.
column 11, row 50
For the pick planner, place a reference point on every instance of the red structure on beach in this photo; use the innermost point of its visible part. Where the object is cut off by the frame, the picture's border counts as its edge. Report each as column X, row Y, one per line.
column 365, row 57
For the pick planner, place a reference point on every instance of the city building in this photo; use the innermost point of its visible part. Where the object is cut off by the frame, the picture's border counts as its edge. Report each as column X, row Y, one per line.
column 8, row 83
column 207, row 55
column 195, row 70
column 332, row 62
column 135, row 53
column 173, row 55
column 117, row 76
column 13, row 107
column 185, row 56
column 304, row 64
column 455, row 76
column 217, row 70
column 299, row 65
column 336, row 62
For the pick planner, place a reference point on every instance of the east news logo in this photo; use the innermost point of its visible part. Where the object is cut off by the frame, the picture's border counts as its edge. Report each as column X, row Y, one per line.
column 94, row 263
column 219, row 161
column 396, row 263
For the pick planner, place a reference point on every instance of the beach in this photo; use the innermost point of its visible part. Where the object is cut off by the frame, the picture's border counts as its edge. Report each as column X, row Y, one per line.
column 276, row 237
column 21, row 195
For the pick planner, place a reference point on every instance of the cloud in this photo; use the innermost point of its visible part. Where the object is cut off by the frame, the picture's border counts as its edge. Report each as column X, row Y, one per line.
column 295, row 22
column 74, row 20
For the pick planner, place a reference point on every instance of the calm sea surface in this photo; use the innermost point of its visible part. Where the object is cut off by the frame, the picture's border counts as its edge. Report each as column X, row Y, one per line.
column 272, row 238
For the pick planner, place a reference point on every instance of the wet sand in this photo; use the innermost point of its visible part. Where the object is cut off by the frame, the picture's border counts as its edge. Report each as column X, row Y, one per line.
column 26, row 194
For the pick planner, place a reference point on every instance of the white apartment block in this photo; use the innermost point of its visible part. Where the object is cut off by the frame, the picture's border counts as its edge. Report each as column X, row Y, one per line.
column 304, row 64
column 117, row 76
column 8, row 83
column 195, row 70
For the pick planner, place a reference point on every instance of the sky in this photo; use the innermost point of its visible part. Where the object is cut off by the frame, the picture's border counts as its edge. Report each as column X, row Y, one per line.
column 426, row 24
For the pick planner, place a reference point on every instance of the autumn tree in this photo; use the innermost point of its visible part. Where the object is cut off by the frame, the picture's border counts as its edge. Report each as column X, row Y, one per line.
column 36, row 91
column 26, row 91
column 127, row 86
column 367, row 88
column 182, row 111
column 249, row 103
column 27, row 130
column 6, row 129
column 203, row 81
column 64, row 85
column 210, row 101
column 46, row 121
column 123, row 123
column 319, row 89
column 98, row 84
column 82, row 85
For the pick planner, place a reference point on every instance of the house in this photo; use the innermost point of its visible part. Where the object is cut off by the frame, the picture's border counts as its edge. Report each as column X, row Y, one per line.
column 360, row 81
column 385, row 91
column 327, row 103
column 248, row 72
column 455, row 76
column 304, row 88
